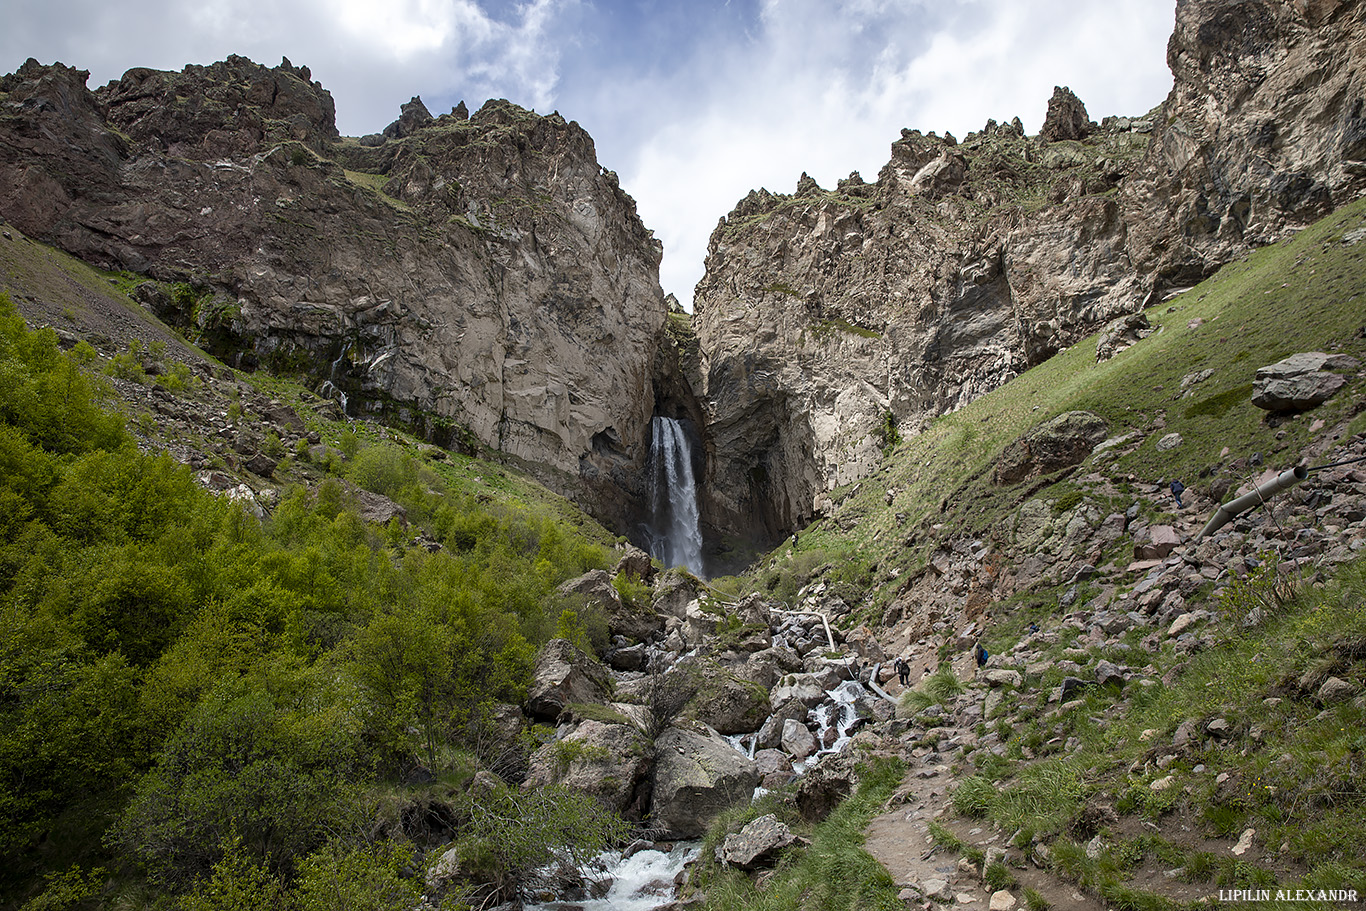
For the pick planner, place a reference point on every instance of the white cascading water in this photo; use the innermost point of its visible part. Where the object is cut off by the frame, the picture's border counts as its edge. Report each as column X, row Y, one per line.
column 676, row 538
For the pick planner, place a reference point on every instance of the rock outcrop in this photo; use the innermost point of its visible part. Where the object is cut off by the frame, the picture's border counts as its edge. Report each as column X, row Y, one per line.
column 696, row 777
column 564, row 675
column 1301, row 381
column 482, row 278
column 831, row 321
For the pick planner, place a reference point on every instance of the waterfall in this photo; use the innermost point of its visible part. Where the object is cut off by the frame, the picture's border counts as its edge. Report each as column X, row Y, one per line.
column 676, row 538
column 330, row 386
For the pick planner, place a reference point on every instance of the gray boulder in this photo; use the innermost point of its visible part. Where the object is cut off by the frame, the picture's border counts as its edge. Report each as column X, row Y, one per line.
column 562, row 675
column 1123, row 333
column 1301, row 381
column 636, row 623
column 609, row 761
column 798, row 741
column 1062, row 442
column 637, row 563
column 756, row 845
column 728, row 703
column 696, row 777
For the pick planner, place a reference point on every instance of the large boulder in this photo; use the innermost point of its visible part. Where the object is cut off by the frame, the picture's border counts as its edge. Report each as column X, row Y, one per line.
column 609, row 761
column 635, row 563
column 1301, row 381
column 595, row 587
column 801, row 688
column 730, row 704
column 1156, row 543
column 797, row 740
column 1064, row 441
column 696, row 777
column 756, row 845
column 563, row 674
column 765, row 667
column 674, row 591
column 1122, row 334
column 826, row 785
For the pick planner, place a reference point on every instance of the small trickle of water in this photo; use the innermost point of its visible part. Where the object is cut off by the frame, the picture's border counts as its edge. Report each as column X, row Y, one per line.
column 676, row 533
column 329, row 388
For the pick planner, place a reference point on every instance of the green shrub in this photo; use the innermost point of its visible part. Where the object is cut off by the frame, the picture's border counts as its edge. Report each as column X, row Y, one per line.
column 516, row 839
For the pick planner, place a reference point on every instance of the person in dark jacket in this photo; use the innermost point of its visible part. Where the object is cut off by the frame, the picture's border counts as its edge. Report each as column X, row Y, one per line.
column 1177, row 489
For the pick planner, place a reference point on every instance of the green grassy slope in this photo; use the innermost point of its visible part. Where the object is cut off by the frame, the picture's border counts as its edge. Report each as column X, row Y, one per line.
column 1304, row 294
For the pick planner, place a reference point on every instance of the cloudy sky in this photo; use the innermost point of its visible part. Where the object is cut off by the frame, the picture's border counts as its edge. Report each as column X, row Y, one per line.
column 692, row 102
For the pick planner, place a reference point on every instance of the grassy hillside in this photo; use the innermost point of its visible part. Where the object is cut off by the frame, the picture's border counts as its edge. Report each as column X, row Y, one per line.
column 1305, row 294
column 203, row 701
column 1230, row 759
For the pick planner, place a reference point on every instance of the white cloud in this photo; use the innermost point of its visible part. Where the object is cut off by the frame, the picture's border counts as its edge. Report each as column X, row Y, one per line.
column 749, row 94
column 827, row 88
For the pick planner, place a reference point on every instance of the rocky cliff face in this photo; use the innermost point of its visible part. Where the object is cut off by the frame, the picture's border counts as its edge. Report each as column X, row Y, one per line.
column 481, row 276
column 828, row 319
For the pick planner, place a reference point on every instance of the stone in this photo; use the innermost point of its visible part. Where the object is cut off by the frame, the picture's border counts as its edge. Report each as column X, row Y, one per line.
column 637, row 623
column 1058, row 443
column 635, row 563
column 936, row 889
column 1186, row 732
column 1168, row 442
column 1181, row 624
column 696, row 777
column 1001, row 900
column 1300, row 382
column 629, row 658
column 826, row 784
column 797, row 740
column 1121, row 335
column 608, row 761
column 1335, row 690
column 1066, row 117
column 1107, row 672
column 801, row 688
column 1002, row 677
column 562, row 675
column 261, row 464
column 728, row 703
column 1157, row 543
column 756, row 845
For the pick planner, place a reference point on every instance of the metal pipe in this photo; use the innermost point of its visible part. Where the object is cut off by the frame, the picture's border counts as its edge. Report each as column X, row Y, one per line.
column 1225, row 513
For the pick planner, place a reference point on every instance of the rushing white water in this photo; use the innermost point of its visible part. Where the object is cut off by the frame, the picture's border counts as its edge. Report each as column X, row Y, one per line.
column 643, row 881
column 676, row 535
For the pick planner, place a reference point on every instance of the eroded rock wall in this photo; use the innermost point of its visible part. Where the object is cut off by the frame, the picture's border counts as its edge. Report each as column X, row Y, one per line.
column 826, row 318
column 482, row 276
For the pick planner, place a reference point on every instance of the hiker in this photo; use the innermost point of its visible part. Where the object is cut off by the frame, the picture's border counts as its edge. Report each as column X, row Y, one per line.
column 1177, row 489
column 980, row 653
column 903, row 671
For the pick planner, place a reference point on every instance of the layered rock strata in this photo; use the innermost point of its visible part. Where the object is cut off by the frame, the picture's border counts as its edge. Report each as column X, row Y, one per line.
column 832, row 321
column 480, row 276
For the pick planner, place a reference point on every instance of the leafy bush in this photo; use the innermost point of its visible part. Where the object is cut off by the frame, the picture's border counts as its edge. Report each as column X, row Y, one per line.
column 266, row 759
column 516, row 839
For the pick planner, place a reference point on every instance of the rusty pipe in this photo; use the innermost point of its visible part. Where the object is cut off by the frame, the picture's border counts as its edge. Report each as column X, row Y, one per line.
column 1226, row 513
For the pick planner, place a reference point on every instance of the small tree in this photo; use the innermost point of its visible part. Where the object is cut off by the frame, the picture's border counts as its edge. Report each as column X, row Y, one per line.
column 518, row 841
column 666, row 695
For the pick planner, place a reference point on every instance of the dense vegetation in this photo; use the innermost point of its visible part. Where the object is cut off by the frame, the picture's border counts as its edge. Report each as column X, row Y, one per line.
column 200, row 703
